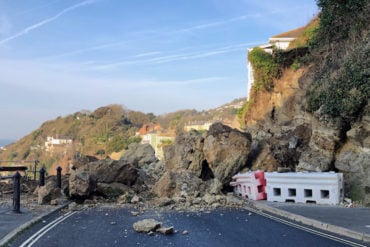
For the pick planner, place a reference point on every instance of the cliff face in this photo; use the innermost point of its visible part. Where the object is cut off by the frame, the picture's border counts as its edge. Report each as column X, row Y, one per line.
column 333, row 135
column 286, row 135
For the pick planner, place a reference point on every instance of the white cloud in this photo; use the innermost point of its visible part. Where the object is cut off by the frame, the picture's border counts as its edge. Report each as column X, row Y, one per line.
column 45, row 21
column 175, row 57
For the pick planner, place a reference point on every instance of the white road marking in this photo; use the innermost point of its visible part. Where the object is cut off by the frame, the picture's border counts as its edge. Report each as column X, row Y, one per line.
column 307, row 229
column 31, row 240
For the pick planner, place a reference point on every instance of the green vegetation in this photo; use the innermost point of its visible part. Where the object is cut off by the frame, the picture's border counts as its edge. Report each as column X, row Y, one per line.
column 341, row 85
column 243, row 111
column 265, row 69
column 166, row 142
column 340, row 19
column 108, row 129
column 308, row 36
column 346, row 93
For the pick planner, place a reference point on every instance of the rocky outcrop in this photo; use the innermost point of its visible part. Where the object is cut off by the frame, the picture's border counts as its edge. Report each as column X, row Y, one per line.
column 353, row 159
column 286, row 135
column 202, row 163
column 325, row 138
column 226, row 151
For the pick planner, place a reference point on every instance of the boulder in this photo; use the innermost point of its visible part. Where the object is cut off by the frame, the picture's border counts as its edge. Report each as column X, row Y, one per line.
column 226, row 151
column 48, row 192
column 111, row 190
column 147, row 225
column 113, row 171
column 178, row 183
column 186, row 153
column 81, row 184
column 139, row 155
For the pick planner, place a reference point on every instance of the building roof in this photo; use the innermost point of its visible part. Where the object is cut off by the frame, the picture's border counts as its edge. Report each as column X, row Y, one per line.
column 290, row 34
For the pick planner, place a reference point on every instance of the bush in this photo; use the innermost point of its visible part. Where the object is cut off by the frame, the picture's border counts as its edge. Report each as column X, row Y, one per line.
column 265, row 69
column 337, row 19
column 346, row 93
column 243, row 111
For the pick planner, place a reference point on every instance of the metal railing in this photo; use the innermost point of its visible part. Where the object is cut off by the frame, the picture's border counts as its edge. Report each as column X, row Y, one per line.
column 17, row 181
column 33, row 166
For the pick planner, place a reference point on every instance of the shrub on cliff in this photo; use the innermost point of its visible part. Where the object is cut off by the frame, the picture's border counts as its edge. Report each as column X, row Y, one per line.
column 341, row 84
column 265, row 69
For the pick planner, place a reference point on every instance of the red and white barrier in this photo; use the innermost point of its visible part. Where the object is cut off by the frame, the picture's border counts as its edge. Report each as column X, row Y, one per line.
column 250, row 185
column 305, row 187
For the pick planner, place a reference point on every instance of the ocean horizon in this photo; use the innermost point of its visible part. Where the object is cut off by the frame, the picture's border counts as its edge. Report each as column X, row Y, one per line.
column 4, row 142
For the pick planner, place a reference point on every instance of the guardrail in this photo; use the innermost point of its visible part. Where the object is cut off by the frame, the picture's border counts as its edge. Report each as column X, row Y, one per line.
column 33, row 163
column 17, row 182
column 301, row 187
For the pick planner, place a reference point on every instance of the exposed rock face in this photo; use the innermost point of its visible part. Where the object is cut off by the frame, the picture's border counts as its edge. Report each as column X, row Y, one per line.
column 286, row 135
column 226, row 151
column 354, row 159
column 324, row 141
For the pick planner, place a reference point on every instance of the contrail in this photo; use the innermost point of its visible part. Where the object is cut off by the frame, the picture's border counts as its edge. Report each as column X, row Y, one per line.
column 46, row 21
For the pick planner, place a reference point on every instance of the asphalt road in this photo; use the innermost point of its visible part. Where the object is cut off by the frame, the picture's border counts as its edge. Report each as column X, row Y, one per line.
column 106, row 226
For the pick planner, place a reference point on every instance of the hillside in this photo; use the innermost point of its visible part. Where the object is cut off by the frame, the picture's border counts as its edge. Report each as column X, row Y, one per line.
column 99, row 133
column 316, row 114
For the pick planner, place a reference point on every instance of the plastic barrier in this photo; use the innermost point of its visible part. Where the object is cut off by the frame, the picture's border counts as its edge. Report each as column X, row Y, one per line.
column 305, row 187
column 250, row 185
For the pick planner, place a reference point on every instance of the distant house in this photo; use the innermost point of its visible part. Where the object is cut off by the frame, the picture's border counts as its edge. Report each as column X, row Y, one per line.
column 52, row 142
column 154, row 135
column 280, row 41
column 198, row 125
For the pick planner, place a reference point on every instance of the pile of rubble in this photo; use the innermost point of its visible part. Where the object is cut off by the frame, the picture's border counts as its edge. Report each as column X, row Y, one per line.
column 194, row 174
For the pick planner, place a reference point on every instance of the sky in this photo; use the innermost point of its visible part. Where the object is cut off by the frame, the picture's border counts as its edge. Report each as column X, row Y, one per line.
column 58, row 57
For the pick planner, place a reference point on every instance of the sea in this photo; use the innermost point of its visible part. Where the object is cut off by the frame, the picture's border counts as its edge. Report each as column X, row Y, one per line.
column 4, row 142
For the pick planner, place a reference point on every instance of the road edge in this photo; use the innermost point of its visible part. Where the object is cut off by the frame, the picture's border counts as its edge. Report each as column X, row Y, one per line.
column 314, row 223
column 24, row 226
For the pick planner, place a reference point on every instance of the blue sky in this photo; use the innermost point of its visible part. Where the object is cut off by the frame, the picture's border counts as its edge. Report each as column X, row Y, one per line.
column 61, row 56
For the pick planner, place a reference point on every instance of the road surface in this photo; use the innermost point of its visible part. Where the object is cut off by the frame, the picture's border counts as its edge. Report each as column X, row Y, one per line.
column 109, row 226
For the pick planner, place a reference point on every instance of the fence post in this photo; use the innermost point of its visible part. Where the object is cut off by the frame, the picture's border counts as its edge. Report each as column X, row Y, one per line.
column 59, row 177
column 42, row 176
column 35, row 169
column 17, row 192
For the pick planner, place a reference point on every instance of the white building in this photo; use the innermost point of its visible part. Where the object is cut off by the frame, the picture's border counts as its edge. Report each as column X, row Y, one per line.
column 198, row 125
column 280, row 41
column 51, row 142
